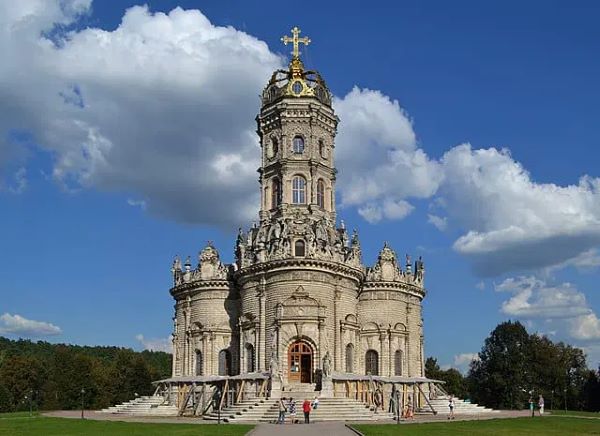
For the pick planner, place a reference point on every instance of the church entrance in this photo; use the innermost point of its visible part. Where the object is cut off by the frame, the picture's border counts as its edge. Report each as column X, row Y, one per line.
column 300, row 358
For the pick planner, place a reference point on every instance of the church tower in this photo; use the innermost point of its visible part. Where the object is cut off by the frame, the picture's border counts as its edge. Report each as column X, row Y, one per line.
column 297, row 128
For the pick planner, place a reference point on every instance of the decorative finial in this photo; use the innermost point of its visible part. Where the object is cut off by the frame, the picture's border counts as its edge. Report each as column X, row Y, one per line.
column 296, row 41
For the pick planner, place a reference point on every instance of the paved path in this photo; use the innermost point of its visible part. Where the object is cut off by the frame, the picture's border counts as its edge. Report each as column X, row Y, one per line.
column 319, row 428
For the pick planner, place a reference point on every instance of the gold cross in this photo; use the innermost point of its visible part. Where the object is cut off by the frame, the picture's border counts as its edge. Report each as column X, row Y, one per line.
column 295, row 40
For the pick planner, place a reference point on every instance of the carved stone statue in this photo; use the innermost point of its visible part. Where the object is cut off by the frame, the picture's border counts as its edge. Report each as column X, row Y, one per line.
column 273, row 365
column 327, row 365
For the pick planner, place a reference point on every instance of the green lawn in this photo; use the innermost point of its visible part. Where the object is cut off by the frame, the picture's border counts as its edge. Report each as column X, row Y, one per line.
column 575, row 413
column 21, row 425
column 511, row 426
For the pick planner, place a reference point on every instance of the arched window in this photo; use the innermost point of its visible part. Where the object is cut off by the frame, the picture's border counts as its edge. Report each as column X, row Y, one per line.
column 249, row 358
column 224, row 362
column 299, row 248
column 299, row 190
column 372, row 362
column 275, row 193
column 199, row 370
column 320, row 193
column 298, row 144
column 349, row 358
column 274, row 146
column 398, row 362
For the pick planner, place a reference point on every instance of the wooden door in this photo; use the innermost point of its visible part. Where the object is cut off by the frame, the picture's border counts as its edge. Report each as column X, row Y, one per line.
column 299, row 363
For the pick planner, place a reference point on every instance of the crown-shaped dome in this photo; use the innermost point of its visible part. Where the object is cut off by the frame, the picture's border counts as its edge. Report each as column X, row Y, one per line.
column 296, row 81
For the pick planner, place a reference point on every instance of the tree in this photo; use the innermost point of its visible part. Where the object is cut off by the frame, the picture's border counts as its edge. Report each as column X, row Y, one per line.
column 6, row 399
column 23, row 377
column 502, row 376
column 591, row 391
column 455, row 384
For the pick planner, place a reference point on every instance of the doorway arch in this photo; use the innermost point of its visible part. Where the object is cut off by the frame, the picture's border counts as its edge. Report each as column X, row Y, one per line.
column 300, row 362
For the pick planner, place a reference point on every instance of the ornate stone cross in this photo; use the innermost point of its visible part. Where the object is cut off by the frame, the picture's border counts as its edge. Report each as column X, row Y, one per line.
column 295, row 40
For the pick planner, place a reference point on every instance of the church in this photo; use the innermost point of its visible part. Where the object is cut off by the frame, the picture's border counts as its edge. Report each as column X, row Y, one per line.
column 298, row 303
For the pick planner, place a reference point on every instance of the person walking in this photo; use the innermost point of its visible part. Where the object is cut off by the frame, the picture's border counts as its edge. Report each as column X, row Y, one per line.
column 282, row 410
column 306, row 409
column 541, row 404
column 451, row 407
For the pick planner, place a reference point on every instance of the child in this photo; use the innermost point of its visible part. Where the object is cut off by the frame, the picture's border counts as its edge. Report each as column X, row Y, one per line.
column 315, row 403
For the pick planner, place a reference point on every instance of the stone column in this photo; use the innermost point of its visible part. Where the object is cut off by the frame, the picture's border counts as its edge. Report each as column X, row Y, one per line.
column 383, row 367
column 336, row 336
column 174, row 357
column 392, row 354
column 204, row 355
column 262, row 358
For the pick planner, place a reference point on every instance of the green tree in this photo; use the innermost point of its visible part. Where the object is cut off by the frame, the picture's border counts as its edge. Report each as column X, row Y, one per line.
column 23, row 377
column 455, row 383
column 6, row 399
column 502, row 376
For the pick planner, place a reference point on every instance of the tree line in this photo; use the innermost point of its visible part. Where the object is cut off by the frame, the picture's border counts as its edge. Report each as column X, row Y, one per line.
column 514, row 366
column 52, row 376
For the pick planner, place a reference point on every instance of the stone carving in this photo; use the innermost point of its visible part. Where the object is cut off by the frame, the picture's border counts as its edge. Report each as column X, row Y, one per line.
column 327, row 366
column 386, row 269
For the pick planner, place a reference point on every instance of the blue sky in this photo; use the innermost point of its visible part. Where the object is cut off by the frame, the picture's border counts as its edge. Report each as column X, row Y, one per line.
column 127, row 138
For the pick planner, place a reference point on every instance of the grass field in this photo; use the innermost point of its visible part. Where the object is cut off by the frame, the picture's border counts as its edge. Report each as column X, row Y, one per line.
column 512, row 426
column 576, row 413
column 20, row 424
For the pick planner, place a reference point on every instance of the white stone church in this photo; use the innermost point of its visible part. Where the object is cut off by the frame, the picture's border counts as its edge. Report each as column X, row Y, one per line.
column 298, row 314
column 298, row 302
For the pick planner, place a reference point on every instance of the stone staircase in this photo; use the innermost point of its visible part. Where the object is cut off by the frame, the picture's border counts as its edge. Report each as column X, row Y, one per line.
column 330, row 409
column 146, row 405
column 461, row 407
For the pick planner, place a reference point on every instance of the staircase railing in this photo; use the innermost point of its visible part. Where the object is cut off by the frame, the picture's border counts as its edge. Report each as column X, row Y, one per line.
column 426, row 399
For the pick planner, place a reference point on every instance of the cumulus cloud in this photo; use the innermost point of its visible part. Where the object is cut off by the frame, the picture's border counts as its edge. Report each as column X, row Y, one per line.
column 533, row 298
column 585, row 327
column 559, row 305
column 156, row 344
column 163, row 106
column 511, row 222
column 380, row 163
column 20, row 326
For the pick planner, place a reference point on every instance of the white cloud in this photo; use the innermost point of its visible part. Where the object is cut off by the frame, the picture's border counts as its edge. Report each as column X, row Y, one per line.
column 511, row 222
column 480, row 285
column 137, row 203
column 587, row 261
column 440, row 223
column 533, row 298
column 592, row 352
column 586, row 327
column 18, row 184
column 465, row 358
column 20, row 326
column 162, row 107
column 462, row 362
column 564, row 309
column 389, row 209
column 156, row 344
column 377, row 154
